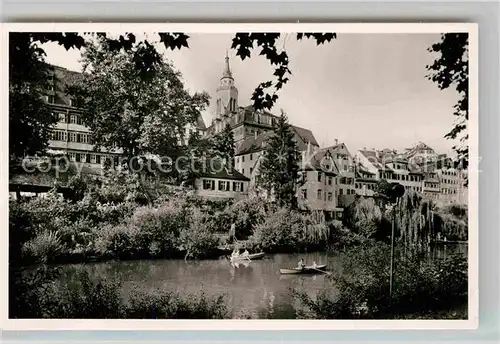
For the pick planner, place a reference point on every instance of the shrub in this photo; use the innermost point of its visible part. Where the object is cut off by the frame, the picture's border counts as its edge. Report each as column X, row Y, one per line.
column 160, row 227
column 360, row 289
column 199, row 240
column 43, row 248
column 39, row 294
column 161, row 304
column 118, row 241
column 289, row 230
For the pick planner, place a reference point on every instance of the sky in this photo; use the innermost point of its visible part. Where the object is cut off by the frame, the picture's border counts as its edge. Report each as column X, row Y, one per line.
column 366, row 90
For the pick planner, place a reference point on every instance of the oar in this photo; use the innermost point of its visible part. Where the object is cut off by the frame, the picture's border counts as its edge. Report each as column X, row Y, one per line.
column 325, row 272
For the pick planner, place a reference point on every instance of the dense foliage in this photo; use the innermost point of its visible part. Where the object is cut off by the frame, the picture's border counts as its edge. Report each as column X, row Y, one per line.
column 39, row 294
column 279, row 167
column 360, row 288
column 29, row 116
column 451, row 69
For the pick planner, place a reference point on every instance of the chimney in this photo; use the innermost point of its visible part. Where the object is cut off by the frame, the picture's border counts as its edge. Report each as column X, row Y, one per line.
column 364, row 148
column 308, row 154
column 256, row 134
column 336, row 142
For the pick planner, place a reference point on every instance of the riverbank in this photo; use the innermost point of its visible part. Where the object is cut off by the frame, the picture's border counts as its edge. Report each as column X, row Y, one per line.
column 255, row 290
column 52, row 230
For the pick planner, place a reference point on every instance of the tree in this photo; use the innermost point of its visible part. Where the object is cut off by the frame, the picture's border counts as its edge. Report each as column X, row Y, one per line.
column 223, row 146
column 279, row 168
column 451, row 69
column 30, row 117
column 122, row 110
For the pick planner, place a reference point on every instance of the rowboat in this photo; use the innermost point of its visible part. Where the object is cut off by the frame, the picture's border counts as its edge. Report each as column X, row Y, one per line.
column 252, row 256
column 305, row 270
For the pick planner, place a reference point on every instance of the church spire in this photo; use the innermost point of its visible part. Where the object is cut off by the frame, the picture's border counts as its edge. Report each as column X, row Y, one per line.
column 227, row 71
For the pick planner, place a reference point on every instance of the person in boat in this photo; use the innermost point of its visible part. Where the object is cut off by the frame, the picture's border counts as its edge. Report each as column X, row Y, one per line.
column 236, row 253
column 314, row 266
column 301, row 264
column 245, row 254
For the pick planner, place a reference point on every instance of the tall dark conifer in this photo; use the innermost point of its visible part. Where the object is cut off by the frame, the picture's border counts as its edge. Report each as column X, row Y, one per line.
column 279, row 168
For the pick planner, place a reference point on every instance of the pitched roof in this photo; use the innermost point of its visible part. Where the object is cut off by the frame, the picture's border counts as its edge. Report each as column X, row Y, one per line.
column 253, row 144
column 372, row 157
column 306, row 135
column 317, row 162
column 215, row 168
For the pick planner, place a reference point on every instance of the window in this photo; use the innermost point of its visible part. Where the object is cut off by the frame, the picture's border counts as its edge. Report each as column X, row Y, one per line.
column 330, row 197
column 207, row 184
column 341, row 192
column 72, row 156
column 251, row 158
column 83, row 157
column 251, row 170
column 319, row 176
column 79, row 120
column 237, row 159
column 320, row 192
column 303, row 193
column 242, row 171
column 345, row 167
column 92, row 158
column 73, row 119
column 237, row 186
column 72, row 137
column 73, row 102
column 243, row 158
column 50, row 99
column 61, row 117
column 98, row 159
column 330, row 180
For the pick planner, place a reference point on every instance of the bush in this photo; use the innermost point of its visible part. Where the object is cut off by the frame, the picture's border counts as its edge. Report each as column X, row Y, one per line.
column 160, row 227
column 360, row 289
column 39, row 294
column 283, row 229
column 199, row 240
column 120, row 241
column 43, row 248
column 161, row 304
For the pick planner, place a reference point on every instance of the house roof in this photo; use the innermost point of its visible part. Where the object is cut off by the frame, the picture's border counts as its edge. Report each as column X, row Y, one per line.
column 218, row 170
column 306, row 135
column 372, row 157
column 254, row 144
column 317, row 162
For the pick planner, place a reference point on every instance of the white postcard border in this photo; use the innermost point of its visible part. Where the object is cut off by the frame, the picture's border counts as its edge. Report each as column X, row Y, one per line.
column 217, row 325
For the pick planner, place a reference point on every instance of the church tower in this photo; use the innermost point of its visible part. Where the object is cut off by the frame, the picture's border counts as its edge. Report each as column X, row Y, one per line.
column 227, row 93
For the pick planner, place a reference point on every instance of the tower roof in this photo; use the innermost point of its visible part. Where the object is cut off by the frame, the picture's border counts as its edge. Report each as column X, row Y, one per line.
column 227, row 71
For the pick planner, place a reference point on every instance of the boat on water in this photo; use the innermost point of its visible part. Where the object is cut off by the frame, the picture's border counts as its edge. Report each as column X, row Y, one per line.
column 304, row 270
column 252, row 256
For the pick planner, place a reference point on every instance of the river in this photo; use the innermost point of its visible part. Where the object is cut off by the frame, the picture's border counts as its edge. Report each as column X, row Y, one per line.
column 254, row 289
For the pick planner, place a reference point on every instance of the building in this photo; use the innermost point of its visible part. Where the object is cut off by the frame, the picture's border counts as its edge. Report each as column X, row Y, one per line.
column 245, row 122
column 220, row 182
column 453, row 186
column 420, row 153
column 319, row 189
column 69, row 136
column 433, row 178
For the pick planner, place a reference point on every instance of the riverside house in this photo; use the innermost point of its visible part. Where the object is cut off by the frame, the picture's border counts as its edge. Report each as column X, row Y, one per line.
column 221, row 182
